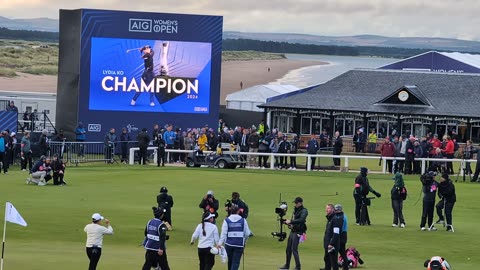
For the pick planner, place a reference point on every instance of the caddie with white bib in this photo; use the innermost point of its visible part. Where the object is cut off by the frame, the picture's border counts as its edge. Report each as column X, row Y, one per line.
column 154, row 243
column 235, row 232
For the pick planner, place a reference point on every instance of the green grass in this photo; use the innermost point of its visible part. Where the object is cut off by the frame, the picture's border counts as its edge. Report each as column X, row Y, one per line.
column 56, row 216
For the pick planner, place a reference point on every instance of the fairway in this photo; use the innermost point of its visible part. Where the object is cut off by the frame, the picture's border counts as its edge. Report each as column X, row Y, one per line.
column 56, row 216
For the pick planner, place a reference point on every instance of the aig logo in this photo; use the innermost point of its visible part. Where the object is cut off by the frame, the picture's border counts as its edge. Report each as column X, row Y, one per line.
column 139, row 25
column 94, row 127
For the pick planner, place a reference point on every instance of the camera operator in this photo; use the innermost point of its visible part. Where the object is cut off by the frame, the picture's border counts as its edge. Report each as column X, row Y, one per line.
column 236, row 201
column 154, row 243
column 298, row 227
column 331, row 239
column 159, row 142
column 209, row 203
column 165, row 201
column 446, row 192
column 360, row 192
column 429, row 189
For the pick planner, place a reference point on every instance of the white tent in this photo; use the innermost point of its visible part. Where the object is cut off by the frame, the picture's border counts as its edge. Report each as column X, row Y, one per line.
column 248, row 98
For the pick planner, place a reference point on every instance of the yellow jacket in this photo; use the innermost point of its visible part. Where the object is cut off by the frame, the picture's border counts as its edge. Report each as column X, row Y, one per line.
column 202, row 142
column 372, row 138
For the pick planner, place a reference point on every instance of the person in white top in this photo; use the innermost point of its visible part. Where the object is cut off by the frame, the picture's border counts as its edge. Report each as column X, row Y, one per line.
column 95, row 233
column 207, row 235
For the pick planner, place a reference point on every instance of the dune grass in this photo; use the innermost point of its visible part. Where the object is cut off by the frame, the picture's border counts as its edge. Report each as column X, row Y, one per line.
column 54, row 238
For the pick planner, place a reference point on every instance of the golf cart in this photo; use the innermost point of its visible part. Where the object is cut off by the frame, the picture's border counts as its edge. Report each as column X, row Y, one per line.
column 226, row 156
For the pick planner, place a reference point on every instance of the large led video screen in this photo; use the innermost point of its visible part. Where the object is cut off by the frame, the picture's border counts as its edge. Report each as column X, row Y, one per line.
column 124, row 69
column 150, row 75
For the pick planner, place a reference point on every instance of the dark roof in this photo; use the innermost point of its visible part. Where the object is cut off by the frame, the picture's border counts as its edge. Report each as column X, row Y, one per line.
column 360, row 90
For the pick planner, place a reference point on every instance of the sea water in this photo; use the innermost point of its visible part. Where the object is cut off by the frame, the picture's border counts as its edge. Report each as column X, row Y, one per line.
column 336, row 66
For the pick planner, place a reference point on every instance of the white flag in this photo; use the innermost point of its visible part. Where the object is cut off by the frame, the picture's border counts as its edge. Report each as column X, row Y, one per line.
column 13, row 216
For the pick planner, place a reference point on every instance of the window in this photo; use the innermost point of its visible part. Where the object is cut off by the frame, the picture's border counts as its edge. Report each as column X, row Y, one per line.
column 383, row 124
column 346, row 124
column 282, row 120
column 455, row 128
column 306, row 125
column 314, row 123
column 416, row 126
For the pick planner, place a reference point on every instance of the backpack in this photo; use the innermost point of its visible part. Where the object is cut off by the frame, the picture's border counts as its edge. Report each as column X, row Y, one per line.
column 403, row 193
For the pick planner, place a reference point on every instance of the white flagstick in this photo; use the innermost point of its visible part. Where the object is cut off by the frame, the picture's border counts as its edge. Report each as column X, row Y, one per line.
column 4, row 231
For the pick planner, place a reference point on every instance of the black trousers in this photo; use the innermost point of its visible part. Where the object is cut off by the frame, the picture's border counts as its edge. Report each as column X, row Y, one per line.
column 293, row 161
column 477, row 171
column 389, row 165
column 3, row 159
column 161, row 156
column 152, row 260
column 361, row 210
column 207, row 259
column 142, row 155
column 292, row 248
column 399, row 166
column 331, row 260
column 264, row 163
column 397, row 206
column 408, row 166
column 450, row 164
column 427, row 213
column 57, row 178
column 312, row 166
column 343, row 250
column 27, row 158
column 448, row 210
column 93, row 254
column 283, row 162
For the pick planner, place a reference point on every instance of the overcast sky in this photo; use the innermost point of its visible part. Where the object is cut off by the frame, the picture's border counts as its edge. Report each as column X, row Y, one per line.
column 444, row 18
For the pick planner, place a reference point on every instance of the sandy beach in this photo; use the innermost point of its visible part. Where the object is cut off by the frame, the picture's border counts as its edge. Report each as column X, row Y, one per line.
column 250, row 73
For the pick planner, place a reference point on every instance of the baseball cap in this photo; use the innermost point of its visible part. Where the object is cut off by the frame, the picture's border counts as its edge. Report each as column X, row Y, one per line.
column 97, row 216
column 338, row 207
column 210, row 192
column 209, row 216
column 298, row 199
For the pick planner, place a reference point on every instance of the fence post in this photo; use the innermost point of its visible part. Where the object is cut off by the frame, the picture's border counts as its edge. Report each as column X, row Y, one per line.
column 424, row 162
column 309, row 162
column 346, row 162
column 384, row 169
column 131, row 156
column 272, row 161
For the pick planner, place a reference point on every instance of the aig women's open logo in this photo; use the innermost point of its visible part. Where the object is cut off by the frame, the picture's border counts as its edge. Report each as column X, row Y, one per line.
column 140, row 25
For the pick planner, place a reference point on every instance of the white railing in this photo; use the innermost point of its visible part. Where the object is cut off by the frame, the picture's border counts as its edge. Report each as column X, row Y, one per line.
column 345, row 159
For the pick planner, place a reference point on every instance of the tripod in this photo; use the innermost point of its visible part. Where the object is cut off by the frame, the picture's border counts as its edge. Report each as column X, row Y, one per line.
column 111, row 154
column 463, row 167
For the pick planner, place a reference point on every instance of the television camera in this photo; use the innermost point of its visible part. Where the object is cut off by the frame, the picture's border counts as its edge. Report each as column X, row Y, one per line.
column 281, row 211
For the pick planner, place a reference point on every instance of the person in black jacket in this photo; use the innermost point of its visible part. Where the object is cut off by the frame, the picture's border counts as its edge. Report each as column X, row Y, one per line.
column 242, row 206
column 397, row 201
column 312, row 149
column 409, row 155
column 165, row 201
column 360, row 192
column 58, row 169
column 446, row 192
column 124, row 139
column 429, row 189
column 159, row 142
column 298, row 227
column 337, row 148
column 331, row 238
column 284, row 147
column 143, row 141
column 293, row 150
column 209, row 203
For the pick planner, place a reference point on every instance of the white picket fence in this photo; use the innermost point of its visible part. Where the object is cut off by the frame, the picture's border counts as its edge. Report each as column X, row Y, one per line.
column 344, row 159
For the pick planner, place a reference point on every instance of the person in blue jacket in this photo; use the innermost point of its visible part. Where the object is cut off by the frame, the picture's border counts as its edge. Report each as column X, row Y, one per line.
column 154, row 243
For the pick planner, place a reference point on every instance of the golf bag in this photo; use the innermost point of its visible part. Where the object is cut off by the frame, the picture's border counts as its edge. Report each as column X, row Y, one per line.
column 353, row 258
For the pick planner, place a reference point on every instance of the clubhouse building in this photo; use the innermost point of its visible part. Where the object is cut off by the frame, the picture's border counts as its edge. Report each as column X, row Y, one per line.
column 389, row 101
